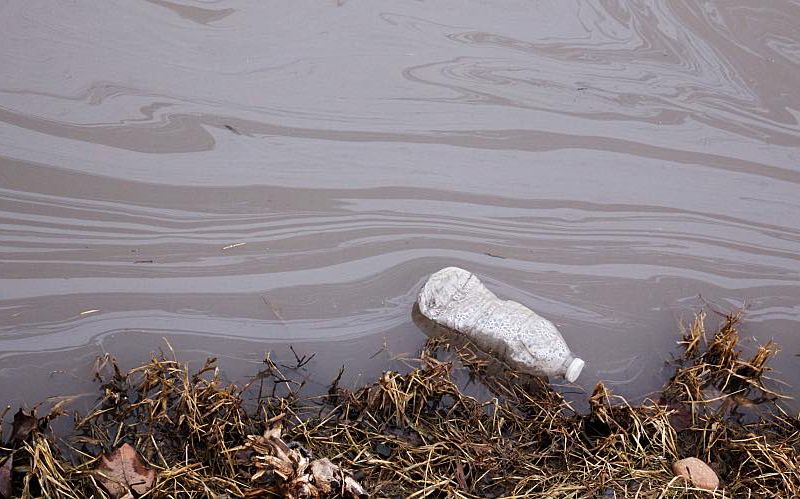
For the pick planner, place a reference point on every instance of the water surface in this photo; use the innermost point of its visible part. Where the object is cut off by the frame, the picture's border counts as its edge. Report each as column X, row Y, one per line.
column 238, row 176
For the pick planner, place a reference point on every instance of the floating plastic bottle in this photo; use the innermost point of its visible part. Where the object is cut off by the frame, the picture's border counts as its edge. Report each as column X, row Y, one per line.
column 456, row 298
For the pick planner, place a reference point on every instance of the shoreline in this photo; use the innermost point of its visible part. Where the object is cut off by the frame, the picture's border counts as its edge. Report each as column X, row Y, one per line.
column 417, row 434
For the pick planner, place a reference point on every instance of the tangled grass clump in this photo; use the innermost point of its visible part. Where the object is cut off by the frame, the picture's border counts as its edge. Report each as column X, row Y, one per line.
column 418, row 434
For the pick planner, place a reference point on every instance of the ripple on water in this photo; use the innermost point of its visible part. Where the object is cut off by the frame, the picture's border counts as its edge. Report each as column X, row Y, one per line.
column 237, row 177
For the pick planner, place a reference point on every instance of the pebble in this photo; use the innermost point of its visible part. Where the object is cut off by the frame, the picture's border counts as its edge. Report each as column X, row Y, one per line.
column 697, row 472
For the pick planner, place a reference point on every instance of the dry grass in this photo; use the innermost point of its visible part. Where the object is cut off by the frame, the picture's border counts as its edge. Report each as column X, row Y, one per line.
column 418, row 434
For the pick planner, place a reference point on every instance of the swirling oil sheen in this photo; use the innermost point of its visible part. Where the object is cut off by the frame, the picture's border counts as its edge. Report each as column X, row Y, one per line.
column 239, row 176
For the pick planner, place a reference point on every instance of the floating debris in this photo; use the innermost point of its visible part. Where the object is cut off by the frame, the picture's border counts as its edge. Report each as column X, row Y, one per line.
column 235, row 245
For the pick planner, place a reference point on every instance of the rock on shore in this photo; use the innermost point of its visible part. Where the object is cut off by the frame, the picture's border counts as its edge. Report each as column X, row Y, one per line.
column 697, row 472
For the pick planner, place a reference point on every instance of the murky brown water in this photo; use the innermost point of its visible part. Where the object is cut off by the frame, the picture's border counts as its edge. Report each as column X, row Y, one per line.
column 237, row 176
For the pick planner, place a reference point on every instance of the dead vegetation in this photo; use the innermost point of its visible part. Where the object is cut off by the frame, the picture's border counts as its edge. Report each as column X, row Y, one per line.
column 161, row 430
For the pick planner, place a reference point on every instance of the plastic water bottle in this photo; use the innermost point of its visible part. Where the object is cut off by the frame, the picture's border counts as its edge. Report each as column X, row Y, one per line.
column 514, row 333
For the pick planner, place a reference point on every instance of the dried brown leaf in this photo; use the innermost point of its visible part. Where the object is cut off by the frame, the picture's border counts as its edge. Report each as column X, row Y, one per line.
column 681, row 417
column 281, row 467
column 23, row 425
column 354, row 489
column 299, row 488
column 324, row 472
column 123, row 471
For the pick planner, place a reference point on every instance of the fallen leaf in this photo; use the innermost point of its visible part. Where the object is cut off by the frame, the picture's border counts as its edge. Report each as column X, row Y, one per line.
column 354, row 489
column 123, row 471
column 324, row 472
column 681, row 418
column 300, row 477
column 23, row 425
column 5, row 479
column 299, row 488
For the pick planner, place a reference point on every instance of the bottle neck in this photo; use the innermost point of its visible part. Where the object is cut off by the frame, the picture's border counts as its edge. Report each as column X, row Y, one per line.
column 567, row 362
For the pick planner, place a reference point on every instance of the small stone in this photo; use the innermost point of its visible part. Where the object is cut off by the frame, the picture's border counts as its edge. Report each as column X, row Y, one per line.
column 697, row 472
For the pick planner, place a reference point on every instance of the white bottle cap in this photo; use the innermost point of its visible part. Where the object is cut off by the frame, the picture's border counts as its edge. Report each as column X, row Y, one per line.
column 574, row 370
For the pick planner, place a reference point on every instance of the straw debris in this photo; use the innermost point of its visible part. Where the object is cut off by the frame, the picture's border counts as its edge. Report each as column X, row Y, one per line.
column 454, row 425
